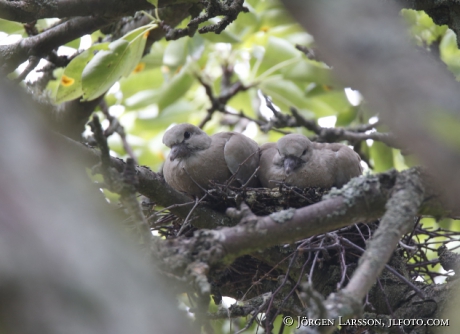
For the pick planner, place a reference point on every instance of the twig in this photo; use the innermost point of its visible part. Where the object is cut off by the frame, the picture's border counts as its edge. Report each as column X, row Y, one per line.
column 419, row 292
column 115, row 126
column 196, row 183
column 171, row 207
column 250, row 179
column 33, row 62
column 101, row 141
column 186, row 222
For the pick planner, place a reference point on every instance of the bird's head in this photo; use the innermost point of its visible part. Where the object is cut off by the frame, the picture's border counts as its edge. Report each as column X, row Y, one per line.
column 184, row 139
column 293, row 151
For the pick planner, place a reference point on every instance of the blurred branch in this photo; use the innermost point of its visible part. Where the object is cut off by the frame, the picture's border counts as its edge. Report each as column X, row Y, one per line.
column 219, row 103
column 70, row 118
column 66, row 264
column 33, row 62
column 415, row 96
column 229, row 10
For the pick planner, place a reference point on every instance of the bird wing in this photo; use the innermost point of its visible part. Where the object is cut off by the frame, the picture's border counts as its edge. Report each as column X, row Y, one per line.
column 268, row 171
column 242, row 157
column 348, row 165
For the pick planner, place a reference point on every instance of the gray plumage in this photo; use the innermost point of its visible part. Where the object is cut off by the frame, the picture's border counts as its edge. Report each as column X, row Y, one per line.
column 299, row 162
column 197, row 158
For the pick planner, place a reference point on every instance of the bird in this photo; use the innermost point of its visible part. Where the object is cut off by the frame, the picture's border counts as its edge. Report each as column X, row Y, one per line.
column 196, row 159
column 299, row 162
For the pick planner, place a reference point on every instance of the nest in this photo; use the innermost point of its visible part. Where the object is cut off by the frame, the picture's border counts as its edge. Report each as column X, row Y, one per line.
column 329, row 258
column 263, row 201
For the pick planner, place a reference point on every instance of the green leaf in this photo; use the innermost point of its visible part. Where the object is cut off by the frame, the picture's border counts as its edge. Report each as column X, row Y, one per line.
column 108, row 66
column 11, row 27
column 143, row 99
column 275, row 17
column 382, row 155
column 146, row 79
column 347, row 116
column 175, row 54
column 137, row 40
column 284, row 93
column 153, row 2
column 105, row 69
column 75, row 44
column 278, row 51
column 178, row 112
column 308, row 71
column 70, row 84
column 175, row 88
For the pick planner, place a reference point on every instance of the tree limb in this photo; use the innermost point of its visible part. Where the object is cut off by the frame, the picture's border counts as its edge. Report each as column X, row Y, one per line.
column 27, row 11
column 12, row 55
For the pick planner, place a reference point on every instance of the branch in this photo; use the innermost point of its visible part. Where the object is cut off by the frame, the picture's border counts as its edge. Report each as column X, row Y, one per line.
column 361, row 200
column 153, row 186
column 14, row 54
column 402, row 207
column 27, row 11
column 69, row 118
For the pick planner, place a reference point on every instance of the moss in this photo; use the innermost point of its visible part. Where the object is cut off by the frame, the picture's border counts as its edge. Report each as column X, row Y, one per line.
column 283, row 216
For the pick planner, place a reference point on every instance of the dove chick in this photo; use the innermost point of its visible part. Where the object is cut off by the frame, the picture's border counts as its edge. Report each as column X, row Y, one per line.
column 299, row 162
column 196, row 159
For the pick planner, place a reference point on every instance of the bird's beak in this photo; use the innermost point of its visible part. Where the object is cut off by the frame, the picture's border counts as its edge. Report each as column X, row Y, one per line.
column 289, row 165
column 178, row 151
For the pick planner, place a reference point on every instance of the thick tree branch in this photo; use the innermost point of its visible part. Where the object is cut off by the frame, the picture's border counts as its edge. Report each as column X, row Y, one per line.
column 398, row 220
column 27, row 11
column 401, row 209
column 14, row 54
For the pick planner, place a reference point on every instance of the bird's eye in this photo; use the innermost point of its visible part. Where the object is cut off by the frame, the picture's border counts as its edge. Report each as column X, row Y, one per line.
column 304, row 152
column 186, row 135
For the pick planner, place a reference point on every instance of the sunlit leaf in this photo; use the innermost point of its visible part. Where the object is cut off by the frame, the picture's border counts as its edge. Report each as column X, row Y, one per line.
column 143, row 80
column 143, row 98
column 137, row 40
column 176, row 53
column 104, row 69
column 382, row 156
column 74, row 44
column 307, row 71
column 175, row 88
column 11, row 27
column 278, row 51
column 108, row 66
column 70, row 85
column 153, row 2
column 346, row 116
